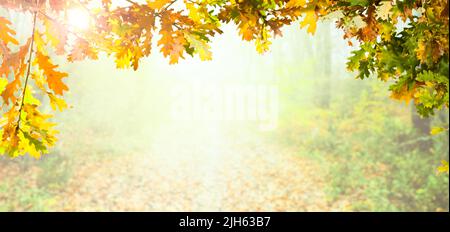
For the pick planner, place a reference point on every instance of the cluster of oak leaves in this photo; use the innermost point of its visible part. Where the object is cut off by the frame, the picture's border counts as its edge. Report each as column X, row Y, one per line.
column 404, row 41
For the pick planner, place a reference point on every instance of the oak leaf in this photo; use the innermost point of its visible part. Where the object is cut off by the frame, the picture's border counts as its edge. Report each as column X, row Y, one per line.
column 6, row 33
column 54, row 78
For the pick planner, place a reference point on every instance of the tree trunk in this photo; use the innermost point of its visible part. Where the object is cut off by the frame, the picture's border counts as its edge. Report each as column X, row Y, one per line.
column 323, row 64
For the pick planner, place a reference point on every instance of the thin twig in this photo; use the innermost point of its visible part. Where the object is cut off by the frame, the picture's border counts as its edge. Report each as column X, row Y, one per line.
column 167, row 7
column 28, row 71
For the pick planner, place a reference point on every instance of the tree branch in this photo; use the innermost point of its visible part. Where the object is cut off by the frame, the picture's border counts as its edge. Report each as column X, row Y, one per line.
column 28, row 71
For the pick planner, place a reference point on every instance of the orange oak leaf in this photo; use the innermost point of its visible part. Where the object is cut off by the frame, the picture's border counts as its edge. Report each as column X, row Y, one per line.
column 81, row 50
column 6, row 33
column 54, row 78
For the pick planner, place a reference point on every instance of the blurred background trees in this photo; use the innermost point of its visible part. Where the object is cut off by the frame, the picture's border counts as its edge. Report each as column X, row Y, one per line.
column 375, row 154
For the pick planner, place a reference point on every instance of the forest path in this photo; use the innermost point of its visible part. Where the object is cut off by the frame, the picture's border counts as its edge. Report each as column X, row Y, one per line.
column 201, row 168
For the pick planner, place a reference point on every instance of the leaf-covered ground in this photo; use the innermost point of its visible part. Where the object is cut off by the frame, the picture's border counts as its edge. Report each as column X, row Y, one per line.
column 200, row 169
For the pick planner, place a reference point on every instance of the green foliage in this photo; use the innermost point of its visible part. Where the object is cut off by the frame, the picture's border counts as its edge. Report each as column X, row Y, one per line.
column 369, row 148
column 406, row 42
column 34, row 185
column 58, row 171
column 24, row 197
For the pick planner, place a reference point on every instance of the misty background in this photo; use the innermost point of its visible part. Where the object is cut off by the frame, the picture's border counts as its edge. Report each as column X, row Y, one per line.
column 339, row 144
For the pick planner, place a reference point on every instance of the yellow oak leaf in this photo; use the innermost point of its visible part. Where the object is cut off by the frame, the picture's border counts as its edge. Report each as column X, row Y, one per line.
column 310, row 20
column 57, row 103
column 200, row 46
column 31, row 145
column 194, row 13
column 296, row 3
column 157, row 4
column 262, row 42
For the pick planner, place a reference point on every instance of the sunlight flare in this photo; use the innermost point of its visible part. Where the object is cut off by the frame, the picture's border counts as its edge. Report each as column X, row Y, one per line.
column 78, row 19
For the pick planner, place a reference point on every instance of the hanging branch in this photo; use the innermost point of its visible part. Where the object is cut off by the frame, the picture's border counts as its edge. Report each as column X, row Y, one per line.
column 28, row 70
